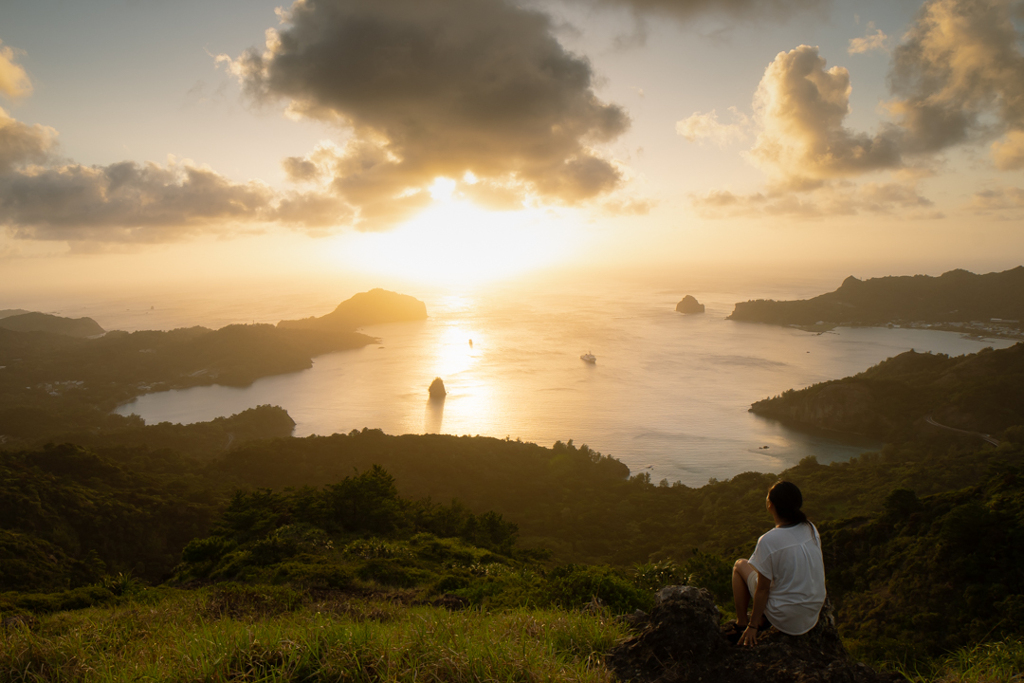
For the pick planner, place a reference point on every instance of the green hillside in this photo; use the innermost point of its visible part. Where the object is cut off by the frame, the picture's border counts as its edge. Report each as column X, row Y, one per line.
column 982, row 392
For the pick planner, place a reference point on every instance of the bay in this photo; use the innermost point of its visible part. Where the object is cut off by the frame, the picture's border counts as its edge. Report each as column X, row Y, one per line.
column 668, row 395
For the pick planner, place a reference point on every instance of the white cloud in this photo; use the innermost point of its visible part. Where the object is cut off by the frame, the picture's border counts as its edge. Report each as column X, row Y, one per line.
column 800, row 107
column 700, row 127
column 14, row 82
column 869, row 42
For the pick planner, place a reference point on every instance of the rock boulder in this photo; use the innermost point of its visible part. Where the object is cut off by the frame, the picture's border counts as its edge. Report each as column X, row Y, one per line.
column 680, row 641
column 689, row 305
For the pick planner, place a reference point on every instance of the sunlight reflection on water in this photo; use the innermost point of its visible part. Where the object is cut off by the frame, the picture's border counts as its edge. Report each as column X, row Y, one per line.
column 668, row 395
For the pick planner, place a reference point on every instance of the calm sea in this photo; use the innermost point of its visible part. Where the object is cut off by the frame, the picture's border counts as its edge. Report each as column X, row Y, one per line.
column 668, row 394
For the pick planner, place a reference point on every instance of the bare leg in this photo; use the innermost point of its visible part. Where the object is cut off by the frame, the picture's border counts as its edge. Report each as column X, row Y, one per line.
column 740, row 592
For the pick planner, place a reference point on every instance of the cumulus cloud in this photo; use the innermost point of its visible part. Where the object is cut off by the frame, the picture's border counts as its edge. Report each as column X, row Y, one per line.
column 869, row 42
column 14, row 82
column 22, row 144
column 700, row 127
column 958, row 75
column 125, row 202
column 800, row 107
column 438, row 88
column 1008, row 153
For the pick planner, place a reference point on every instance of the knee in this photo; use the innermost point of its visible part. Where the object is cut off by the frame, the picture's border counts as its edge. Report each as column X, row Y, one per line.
column 738, row 566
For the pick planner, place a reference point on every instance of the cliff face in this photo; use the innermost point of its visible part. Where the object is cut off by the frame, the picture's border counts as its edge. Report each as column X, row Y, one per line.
column 956, row 296
column 680, row 641
column 366, row 308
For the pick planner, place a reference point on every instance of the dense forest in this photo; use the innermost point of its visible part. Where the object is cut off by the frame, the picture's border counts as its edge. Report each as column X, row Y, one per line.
column 567, row 515
column 892, row 401
column 956, row 296
column 922, row 538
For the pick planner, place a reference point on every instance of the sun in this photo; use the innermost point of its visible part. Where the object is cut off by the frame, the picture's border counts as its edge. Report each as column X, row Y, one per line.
column 454, row 242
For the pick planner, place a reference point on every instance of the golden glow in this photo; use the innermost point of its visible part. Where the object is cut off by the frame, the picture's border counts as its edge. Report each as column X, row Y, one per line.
column 454, row 354
column 454, row 242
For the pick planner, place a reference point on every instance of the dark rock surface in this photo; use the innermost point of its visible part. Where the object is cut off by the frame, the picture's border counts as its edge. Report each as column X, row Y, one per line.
column 681, row 641
column 689, row 305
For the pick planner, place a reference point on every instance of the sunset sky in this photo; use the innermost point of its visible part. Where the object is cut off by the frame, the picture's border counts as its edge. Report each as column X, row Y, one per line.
column 469, row 140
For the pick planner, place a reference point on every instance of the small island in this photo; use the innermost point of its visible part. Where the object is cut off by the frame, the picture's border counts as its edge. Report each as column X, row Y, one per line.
column 437, row 389
column 689, row 305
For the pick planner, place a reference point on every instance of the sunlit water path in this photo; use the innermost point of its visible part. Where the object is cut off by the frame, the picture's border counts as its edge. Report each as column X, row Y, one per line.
column 668, row 395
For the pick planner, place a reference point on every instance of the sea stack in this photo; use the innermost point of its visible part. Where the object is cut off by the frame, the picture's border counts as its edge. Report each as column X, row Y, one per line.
column 437, row 388
column 689, row 305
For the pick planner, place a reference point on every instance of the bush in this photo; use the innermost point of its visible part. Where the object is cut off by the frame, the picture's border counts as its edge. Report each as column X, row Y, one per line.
column 387, row 573
column 574, row 586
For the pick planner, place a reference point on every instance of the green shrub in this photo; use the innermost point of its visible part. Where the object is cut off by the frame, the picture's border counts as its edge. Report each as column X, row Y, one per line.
column 313, row 574
column 575, row 586
column 654, row 575
column 388, row 573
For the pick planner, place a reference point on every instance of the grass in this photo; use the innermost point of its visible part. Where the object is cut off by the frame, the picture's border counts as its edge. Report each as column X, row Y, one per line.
column 191, row 636
column 996, row 662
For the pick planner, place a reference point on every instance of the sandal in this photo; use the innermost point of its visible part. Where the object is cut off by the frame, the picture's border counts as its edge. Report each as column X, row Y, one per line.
column 733, row 631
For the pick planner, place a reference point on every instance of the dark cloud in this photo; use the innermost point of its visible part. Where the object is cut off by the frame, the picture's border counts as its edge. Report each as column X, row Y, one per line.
column 739, row 9
column 958, row 76
column 439, row 88
column 125, row 202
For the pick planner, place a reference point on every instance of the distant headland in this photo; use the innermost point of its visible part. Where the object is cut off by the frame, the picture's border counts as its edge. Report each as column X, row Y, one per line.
column 59, row 375
column 30, row 321
column 367, row 308
column 990, row 304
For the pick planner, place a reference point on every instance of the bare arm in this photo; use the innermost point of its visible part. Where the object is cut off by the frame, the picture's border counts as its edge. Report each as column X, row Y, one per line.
column 764, row 586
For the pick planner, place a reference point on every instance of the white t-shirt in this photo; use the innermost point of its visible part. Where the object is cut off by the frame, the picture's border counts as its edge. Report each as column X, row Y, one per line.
column 791, row 558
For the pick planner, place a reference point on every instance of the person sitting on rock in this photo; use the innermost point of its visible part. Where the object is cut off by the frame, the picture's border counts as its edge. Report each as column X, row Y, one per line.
column 785, row 576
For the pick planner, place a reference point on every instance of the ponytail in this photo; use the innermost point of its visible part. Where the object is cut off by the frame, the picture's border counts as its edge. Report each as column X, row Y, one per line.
column 788, row 500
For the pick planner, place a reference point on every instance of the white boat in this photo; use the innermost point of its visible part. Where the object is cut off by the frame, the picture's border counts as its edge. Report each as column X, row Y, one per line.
column 588, row 357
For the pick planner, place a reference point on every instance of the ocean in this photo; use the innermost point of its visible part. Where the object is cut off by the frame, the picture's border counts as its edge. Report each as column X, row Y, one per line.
column 668, row 395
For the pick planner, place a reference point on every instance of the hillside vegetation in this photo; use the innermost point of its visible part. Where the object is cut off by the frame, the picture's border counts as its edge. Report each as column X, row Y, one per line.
column 982, row 392
column 228, row 549
column 55, row 387
column 956, row 296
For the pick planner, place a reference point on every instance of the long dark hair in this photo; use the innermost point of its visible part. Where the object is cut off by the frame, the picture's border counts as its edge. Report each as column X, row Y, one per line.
column 788, row 500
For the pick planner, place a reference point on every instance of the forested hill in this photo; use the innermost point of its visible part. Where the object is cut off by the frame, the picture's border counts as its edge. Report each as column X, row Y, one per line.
column 42, row 322
column 367, row 308
column 982, row 392
column 956, row 296
column 53, row 386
